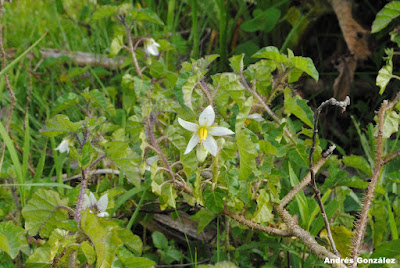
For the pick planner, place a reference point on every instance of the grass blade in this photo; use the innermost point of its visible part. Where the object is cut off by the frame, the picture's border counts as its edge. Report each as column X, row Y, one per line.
column 15, row 160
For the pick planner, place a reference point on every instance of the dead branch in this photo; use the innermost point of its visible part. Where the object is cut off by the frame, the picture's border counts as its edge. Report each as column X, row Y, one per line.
column 343, row 105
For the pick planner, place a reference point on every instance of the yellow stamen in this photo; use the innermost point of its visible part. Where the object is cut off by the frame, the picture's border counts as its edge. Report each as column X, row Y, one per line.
column 202, row 134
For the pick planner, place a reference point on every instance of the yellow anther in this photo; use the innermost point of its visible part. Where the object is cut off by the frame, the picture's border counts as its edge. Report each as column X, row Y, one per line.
column 202, row 134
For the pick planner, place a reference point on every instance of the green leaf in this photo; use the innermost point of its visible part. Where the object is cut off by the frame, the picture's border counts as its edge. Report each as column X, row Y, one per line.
column 379, row 223
column 104, row 12
column 390, row 124
column 264, row 208
column 138, row 262
column 299, row 108
column 131, row 241
column 236, row 63
column 389, row 249
column 159, row 240
column 88, row 251
column 43, row 213
column 230, row 83
column 168, row 196
column 384, row 76
column 300, row 197
column 262, row 21
column 242, row 116
column 214, row 199
column 358, row 162
column 59, row 124
column 188, row 87
column 306, row 65
column 105, row 239
column 12, row 239
column 271, row 53
column 204, row 217
column 330, row 209
column 44, row 255
column 116, row 45
column 389, row 12
column 65, row 101
column 147, row 15
column 126, row 160
column 247, row 154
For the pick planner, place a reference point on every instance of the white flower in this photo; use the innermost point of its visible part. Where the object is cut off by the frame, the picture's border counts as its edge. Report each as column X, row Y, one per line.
column 151, row 46
column 64, row 146
column 99, row 207
column 203, row 132
column 256, row 117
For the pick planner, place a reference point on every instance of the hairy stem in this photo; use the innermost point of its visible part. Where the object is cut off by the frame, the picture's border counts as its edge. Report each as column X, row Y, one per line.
column 362, row 221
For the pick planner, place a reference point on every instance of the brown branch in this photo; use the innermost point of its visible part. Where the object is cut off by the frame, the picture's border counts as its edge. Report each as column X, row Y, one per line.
column 266, row 107
column 128, row 29
column 362, row 221
column 307, row 178
column 343, row 105
column 269, row 230
column 315, row 248
column 391, row 157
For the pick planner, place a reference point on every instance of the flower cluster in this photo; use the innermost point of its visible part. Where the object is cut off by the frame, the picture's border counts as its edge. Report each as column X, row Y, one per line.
column 96, row 206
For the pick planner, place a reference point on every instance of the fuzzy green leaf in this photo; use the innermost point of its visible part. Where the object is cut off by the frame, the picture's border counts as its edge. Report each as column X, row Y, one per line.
column 59, row 124
column 147, row 15
column 204, row 217
column 299, row 108
column 214, row 199
column 65, row 101
column 104, row 12
column 104, row 238
column 159, row 240
column 12, row 239
column 131, row 241
column 247, row 154
column 236, row 63
column 389, row 12
column 188, row 87
column 126, row 160
column 43, row 213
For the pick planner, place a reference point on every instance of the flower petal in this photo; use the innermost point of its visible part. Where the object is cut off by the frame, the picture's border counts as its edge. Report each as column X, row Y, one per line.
column 63, row 146
column 211, row 145
column 103, row 203
column 194, row 140
column 85, row 202
column 103, row 214
column 220, row 131
column 188, row 125
column 256, row 117
column 153, row 50
column 207, row 117
column 92, row 200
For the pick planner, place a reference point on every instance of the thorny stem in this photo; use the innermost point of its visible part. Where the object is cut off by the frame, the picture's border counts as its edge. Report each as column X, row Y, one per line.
column 266, row 107
column 343, row 105
column 293, row 228
column 128, row 29
column 77, row 217
column 203, row 87
column 362, row 221
column 13, row 98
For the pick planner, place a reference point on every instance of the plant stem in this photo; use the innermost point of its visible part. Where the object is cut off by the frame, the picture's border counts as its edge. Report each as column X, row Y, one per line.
column 77, row 217
column 137, row 210
column 195, row 31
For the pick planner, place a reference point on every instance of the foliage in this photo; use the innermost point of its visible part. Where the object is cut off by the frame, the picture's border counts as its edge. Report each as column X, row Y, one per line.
column 114, row 134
